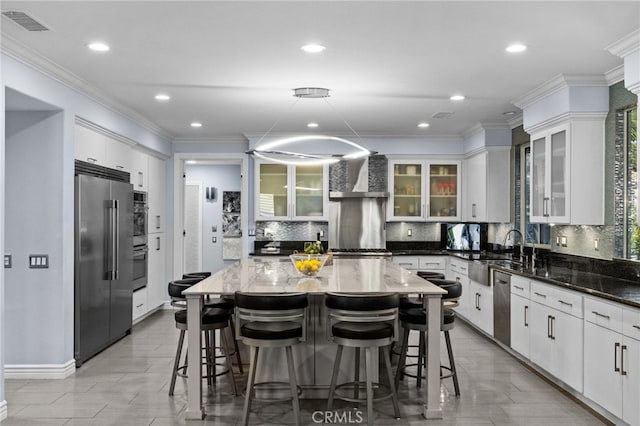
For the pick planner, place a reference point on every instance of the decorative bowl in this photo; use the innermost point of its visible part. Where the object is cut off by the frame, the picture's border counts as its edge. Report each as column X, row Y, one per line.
column 308, row 264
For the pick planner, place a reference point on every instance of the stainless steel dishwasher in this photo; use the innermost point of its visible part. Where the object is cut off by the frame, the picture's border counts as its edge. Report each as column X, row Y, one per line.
column 502, row 307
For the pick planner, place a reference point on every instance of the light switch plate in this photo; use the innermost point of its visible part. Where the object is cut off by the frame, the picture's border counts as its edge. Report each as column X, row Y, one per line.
column 7, row 261
column 563, row 241
column 38, row 261
column 409, row 232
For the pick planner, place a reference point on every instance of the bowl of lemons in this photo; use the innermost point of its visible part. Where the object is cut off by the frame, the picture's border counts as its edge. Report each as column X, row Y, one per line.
column 308, row 264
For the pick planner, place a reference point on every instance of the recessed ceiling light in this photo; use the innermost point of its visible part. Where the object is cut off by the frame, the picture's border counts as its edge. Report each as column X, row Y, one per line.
column 423, row 125
column 313, row 48
column 509, row 113
column 196, row 124
column 99, row 47
column 162, row 97
column 456, row 97
column 191, row 162
column 515, row 48
column 312, row 125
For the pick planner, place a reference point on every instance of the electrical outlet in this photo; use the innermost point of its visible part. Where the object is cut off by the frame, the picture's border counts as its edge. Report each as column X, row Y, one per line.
column 596, row 244
column 267, row 232
column 563, row 241
column 7, row 261
column 252, row 232
column 321, row 233
column 557, row 240
column 409, row 232
column 38, row 261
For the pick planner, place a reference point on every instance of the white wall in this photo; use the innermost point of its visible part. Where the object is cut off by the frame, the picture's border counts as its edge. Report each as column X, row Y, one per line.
column 59, row 211
column 3, row 403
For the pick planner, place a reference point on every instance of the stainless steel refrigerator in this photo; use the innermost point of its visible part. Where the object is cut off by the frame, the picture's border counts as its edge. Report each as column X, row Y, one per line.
column 103, row 263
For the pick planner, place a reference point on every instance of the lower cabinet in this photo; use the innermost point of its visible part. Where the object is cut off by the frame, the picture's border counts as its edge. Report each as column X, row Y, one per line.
column 157, row 281
column 611, row 360
column 520, row 325
column 139, row 303
column 481, row 312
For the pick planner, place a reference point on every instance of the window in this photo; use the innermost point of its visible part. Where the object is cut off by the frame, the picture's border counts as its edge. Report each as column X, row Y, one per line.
column 540, row 234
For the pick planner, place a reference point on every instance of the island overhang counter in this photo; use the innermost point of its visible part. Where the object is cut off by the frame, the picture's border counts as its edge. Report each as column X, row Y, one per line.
column 345, row 275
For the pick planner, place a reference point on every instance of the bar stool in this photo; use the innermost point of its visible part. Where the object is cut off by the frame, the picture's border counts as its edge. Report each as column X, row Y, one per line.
column 225, row 302
column 363, row 321
column 415, row 319
column 212, row 319
column 271, row 321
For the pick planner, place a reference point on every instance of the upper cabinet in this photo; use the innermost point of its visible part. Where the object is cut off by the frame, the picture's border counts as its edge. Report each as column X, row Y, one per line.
column 157, row 195
column 424, row 190
column 289, row 192
column 96, row 147
column 486, row 190
column 139, row 177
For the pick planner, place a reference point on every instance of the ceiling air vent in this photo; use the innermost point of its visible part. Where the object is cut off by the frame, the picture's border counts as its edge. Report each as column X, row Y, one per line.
column 25, row 21
column 442, row 114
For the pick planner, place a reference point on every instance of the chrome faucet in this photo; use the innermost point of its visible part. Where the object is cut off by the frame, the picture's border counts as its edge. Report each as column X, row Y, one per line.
column 506, row 237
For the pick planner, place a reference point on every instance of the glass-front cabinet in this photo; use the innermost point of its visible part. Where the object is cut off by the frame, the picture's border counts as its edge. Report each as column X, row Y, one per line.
column 290, row 192
column 424, row 190
column 550, row 176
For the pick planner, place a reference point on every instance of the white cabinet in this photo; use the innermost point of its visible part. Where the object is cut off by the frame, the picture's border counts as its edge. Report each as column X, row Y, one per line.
column 139, row 177
column 421, row 263
column 287, row 192
column 457, row 270
column 612, row 358
column 424, row 190
column 567, row 172
column 556, row 337
column 157, row 198
column 520, row 315
column 139, row 303
column 486, row 187
column 481, row 314
column 95, row 147
column 157, row 277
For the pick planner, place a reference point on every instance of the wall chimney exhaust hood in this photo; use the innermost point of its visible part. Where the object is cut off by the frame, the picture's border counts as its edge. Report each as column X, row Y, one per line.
column 357, row 185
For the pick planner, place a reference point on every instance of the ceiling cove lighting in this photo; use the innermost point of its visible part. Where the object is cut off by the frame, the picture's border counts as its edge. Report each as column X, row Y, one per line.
column 196, row 124
column 313, row 48
column 516, row 47
column 296, row 149
column 99, row 47
column 457, row 98
column 162, row 97
column 423, row 125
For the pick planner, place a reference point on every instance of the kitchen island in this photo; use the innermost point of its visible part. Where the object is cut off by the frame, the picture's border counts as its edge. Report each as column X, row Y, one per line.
column 377, row 275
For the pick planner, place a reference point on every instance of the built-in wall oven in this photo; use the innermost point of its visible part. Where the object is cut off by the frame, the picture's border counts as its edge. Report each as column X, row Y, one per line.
column 140, row 249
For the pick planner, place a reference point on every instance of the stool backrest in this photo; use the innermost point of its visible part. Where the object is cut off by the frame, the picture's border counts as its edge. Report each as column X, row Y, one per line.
column 362, row 307
column 176, row 288
column 427, row 275
column 271, row 307
column 201, row 275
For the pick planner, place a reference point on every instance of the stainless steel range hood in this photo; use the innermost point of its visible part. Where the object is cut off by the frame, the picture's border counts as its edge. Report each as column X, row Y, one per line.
column 357, row 217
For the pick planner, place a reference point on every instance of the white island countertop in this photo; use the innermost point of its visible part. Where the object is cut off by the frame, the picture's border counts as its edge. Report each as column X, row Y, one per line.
column 278, row 275
column 345, row 275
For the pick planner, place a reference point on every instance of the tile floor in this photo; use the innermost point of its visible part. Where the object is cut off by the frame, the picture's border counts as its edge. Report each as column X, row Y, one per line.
column 127, row 384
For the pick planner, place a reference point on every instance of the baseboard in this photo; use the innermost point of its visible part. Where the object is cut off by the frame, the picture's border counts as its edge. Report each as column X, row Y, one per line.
column 3, row 410
column 40, row 371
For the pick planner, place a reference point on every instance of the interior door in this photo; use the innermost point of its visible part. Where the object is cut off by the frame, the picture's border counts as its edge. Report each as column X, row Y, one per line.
column 192, row 251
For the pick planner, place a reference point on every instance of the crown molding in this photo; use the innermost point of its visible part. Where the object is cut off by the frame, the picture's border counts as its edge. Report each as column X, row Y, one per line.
column 215, row 139
column 515, row 121
column 29, row 57
column 564, row 118
column 485, row 125
column 615, row 75
column 557, row 83
column 626, row 45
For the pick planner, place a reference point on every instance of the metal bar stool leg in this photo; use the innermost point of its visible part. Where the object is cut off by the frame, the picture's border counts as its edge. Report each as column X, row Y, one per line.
column 250, row 382
column 225, row 344
column 452, row 363
column 421, row 359
column 403, row 357
column 394, row 395
column 334, row 377
column 356, row 384
column 235, row 344
column 368, row 369
column 176, row 363
column 294, row 385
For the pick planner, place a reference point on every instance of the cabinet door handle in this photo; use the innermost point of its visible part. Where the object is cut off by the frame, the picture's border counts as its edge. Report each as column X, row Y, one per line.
column 615, row 357
column 478, row 301
column 549, row 326
column 526, row 308
column 598, row 314
column 473, row 210
column 157, row 243
column 140, row 305
column 92, row 160
column 119, row 167
column 539, row 294
column 158, row 222
column 553, row 333
column 624, row 348
column 565, row 303
column 518, row 287
column 140, row 179
column 636, row 326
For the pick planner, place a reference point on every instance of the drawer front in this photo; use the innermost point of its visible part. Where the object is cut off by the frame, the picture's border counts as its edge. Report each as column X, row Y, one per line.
column 520, row 286
column 407, row 262
column 432, row 263
column 631, row 322
column 567, row 301
column 541, row 293
column 139, row 303
column 604, row 314
column 459, row 267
